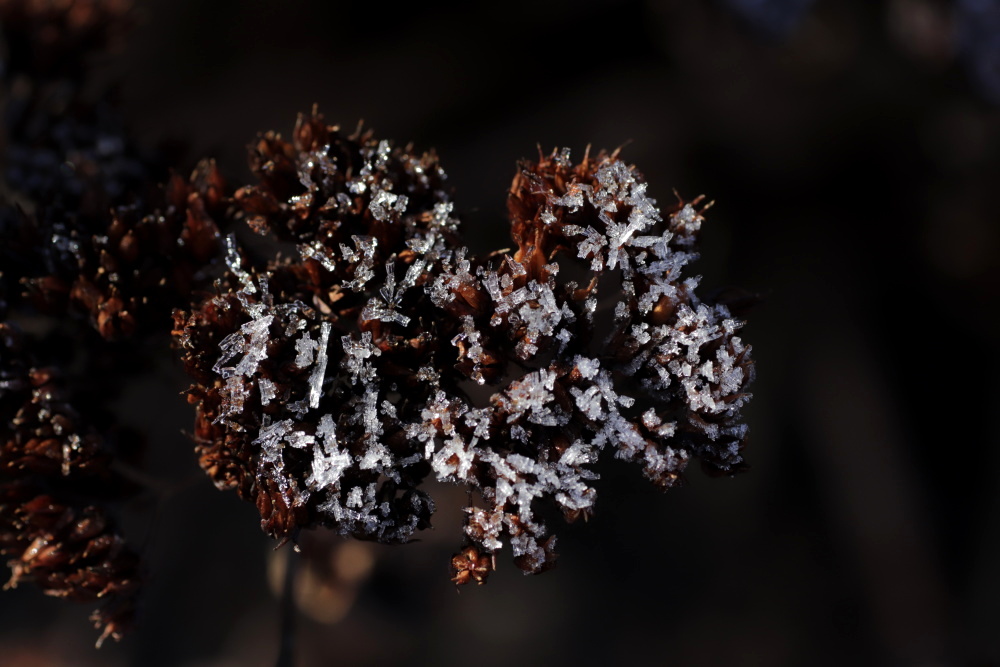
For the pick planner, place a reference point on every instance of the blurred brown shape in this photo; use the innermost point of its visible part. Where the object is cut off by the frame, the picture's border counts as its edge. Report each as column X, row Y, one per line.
column 329, row 573
column 48, row 37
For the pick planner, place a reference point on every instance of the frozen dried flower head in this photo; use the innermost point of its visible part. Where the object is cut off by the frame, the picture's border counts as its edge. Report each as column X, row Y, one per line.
column 331, row 385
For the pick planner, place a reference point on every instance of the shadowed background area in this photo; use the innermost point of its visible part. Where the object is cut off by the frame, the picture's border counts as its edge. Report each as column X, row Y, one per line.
column 853, row 155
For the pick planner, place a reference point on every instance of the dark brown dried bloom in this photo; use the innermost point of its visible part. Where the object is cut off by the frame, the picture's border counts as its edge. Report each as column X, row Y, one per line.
column 142, row 264
column 99, row 244
column 68, row 164
column 54, row 480
column 324, row 187
column 101, row 238
column 330, row 385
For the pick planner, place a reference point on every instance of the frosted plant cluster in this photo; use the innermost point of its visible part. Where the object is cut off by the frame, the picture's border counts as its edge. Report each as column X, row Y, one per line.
column 359, row 352
column 331, row 385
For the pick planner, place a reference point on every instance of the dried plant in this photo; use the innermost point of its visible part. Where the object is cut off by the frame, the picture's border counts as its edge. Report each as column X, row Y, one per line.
column 329, row 386
column 100, row 236
column 58, row 486
column 332, row 382
column 130, row 273
column 55, row 479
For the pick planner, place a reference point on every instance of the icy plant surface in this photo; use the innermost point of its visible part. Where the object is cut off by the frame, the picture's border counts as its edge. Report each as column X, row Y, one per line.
column 330, row 385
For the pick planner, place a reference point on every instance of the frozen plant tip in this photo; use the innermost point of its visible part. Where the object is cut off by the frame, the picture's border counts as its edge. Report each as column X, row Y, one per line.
column 330, row 385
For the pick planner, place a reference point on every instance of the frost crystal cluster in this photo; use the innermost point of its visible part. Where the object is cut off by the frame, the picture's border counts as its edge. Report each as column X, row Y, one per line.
column 332, row 383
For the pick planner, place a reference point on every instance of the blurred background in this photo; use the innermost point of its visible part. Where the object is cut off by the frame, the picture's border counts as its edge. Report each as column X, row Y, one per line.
column 853, row 152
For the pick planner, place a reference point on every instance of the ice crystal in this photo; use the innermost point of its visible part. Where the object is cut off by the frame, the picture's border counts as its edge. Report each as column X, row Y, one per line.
column 319, row 371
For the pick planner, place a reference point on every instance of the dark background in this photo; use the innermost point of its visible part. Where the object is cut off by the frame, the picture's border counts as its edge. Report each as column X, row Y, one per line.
column 854, row 160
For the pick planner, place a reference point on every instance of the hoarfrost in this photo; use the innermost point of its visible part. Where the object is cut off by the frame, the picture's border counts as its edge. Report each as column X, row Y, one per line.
column 329, row 461
column 385, row 308
column 485, row 527
column 356, row 355
column 362, row 256
column 305, row 347
column 320, row 253
column 235, row 265
column 267, row 392
column 591, row 246
column 454, row 460
column 468, row 340
column 428, row 374
column 385, row 205
column 256, row 347
column 231, row 345
column 588, row 367
column 234, row 394
column 319, row 370
column 299, row 440
column 270, row 441
column 686, row 222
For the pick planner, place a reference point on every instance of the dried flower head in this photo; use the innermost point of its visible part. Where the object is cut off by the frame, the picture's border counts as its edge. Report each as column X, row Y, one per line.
column 97, row 235
column 330, row 385
column 100, row 239
column 55, row 482
column 141, row 264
